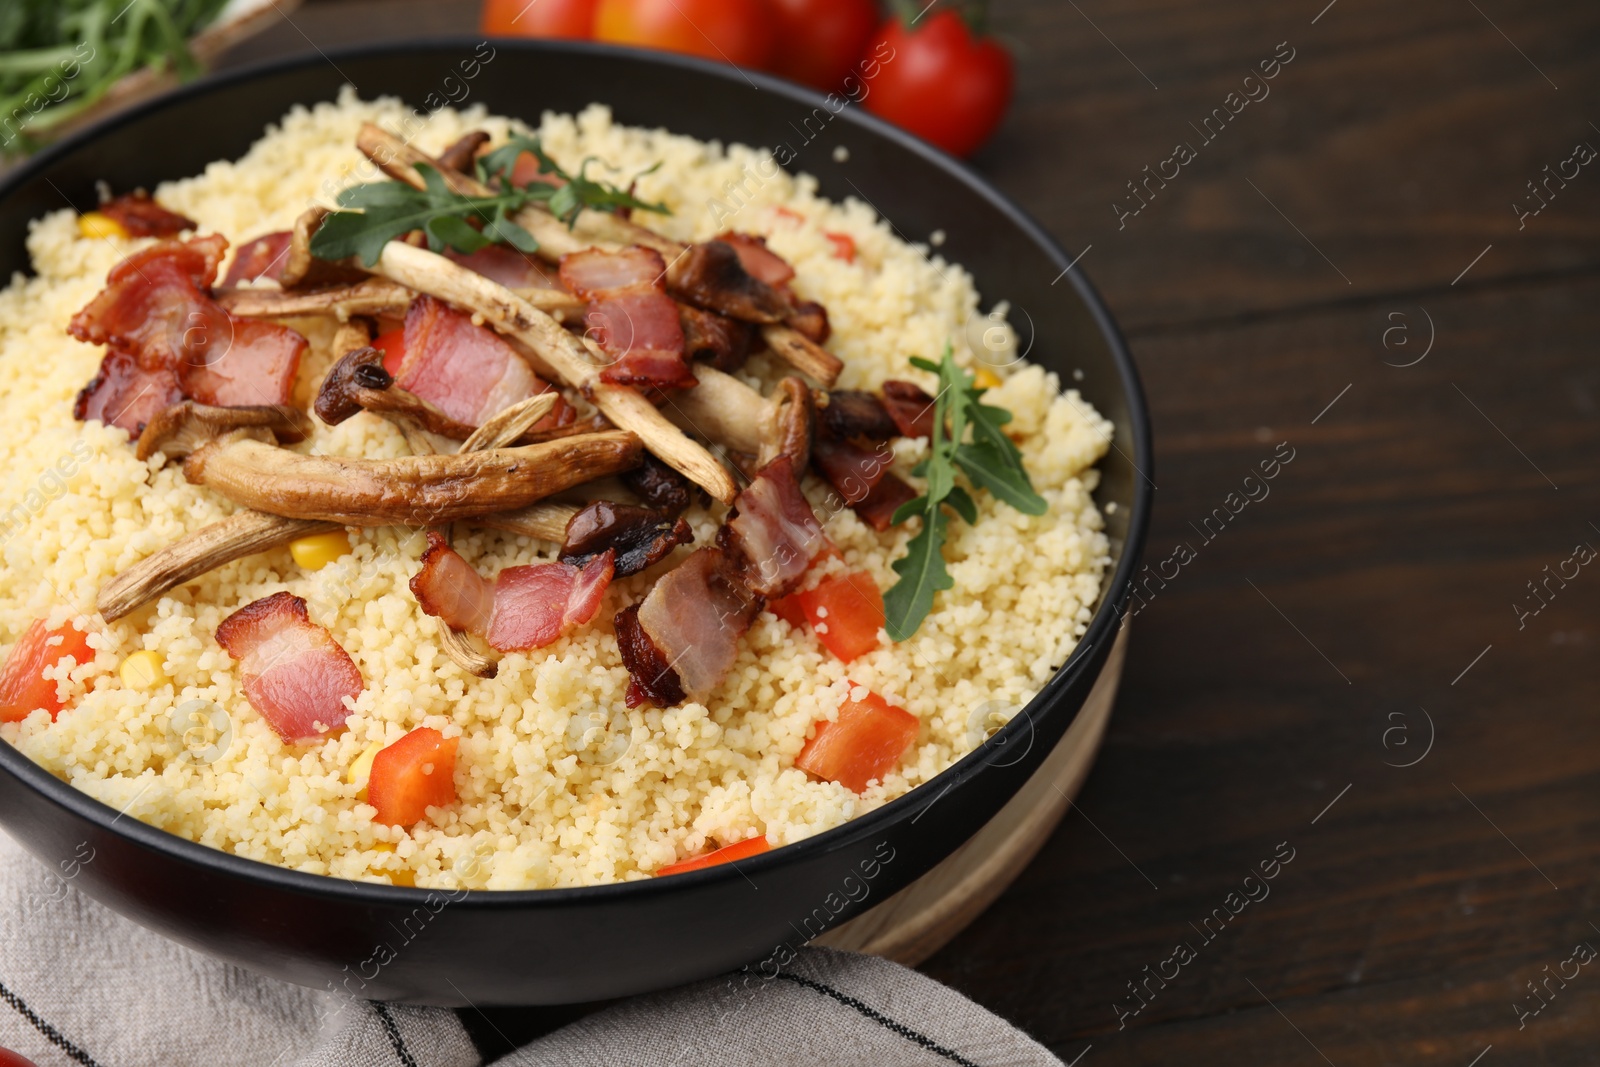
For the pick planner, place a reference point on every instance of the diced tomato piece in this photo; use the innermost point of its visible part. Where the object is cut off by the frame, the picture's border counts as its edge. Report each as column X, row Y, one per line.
column 846, row 611
column 393, row 347
column 789, row 213
column 23, row 687
column 844, row 246
column 788, row 609
column 864, row 743
column 741, row 850
column 412, row 775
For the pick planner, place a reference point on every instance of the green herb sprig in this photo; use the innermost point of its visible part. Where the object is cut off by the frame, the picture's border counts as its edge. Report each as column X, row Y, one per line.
column 990, row 461
column 60, row 57
column 379, row 212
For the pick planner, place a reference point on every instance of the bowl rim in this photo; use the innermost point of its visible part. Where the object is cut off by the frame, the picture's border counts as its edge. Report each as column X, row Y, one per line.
column 1101, row 630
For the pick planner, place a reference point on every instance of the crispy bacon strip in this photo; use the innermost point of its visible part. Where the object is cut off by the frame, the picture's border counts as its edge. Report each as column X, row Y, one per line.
column 125, row 394
column 683, row 638
column 509, row 267
column 878, row 508
column 630, row 316
column 909, row 407
column 295, row 674
column 758, row 260
column 154, row 307
column 851, row 470
column 772, row 530
column 258, row 367
column 693, row 619
column 468, row 372
column 141, row 216
column 523, row 609
column 264, row 257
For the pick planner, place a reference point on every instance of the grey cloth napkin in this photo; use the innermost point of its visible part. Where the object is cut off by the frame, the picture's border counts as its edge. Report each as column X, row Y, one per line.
column 81, row 985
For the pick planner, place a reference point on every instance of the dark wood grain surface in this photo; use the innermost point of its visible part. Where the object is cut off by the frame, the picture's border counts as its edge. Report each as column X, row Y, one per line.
column 1362, row 616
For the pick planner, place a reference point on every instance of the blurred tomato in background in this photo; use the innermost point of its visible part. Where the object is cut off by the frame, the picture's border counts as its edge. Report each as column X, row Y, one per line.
column 821, row 41
column 930, row 68
column 945, row 84
column 573, row 19
column 735, row 31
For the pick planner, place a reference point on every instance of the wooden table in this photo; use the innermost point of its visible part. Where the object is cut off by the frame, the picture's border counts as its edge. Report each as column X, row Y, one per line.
column 1341, row 268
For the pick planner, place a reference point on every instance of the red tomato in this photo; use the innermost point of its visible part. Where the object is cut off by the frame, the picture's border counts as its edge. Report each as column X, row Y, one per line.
column 741, row 850
column 393, row 347
column 735, row 31
column 939, row 82
column 572, row 19
column 865, row 742
column 11, row 1059
column 845, row 611
column 23, row 687
column 412, row 775
column 844, row 246
column 819, row 41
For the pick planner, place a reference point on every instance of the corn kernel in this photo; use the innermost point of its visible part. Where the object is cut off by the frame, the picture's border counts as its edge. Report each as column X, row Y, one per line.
column 142, row 670
column 404, row 877
column 984, row 378
column 316, row 552
column 361, row 770
column 94, row 224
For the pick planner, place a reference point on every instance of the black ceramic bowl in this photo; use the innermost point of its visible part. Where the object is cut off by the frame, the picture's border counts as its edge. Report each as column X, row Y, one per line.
column 568, row 945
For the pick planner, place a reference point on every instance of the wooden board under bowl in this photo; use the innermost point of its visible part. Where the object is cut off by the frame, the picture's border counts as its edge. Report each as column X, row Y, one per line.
column 926, row 915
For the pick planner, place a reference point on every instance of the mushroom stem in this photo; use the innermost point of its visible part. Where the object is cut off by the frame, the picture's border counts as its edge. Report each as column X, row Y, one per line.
column 374, row 296
column 203, row 551
column 802, row 353
column 725, row 410
column 411, row 490
column 188, row 426
column 542, row 522
column 558, row 354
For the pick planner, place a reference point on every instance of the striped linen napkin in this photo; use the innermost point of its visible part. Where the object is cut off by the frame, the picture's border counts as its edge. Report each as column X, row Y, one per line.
column 81, row 985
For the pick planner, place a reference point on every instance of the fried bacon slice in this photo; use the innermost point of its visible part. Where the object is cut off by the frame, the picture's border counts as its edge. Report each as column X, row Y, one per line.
column 295, row 674
column 630, row 316
column 509, row 267
column 883, row 500
column 850, row 469
column 683, row 637
column 125, row 394
column 139, row 214
column 758, row 260
column 154, row 305
column 909, row 407
column 773, row 531
column 264, row 257
column 469, row 372
column 522, row 609
column 257, row 368
column 688, row 629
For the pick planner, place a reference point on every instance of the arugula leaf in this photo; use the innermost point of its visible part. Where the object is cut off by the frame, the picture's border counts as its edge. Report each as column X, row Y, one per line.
column 990, row 460
column 987, row 468
column 380, row 212
column 922, row 574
